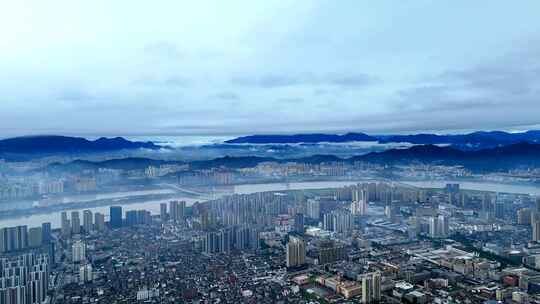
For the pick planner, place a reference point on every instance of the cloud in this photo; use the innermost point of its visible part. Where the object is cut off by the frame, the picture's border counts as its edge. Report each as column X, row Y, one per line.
column 307, row 79
column 291, row 100
column 350, row 80
column 75, row 94
column 163, row 49
column 268, row 81
column 170, row 81
column 226, row 95
column 270, row 66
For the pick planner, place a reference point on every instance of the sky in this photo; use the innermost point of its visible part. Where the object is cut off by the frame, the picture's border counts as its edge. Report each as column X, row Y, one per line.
column 245, row 67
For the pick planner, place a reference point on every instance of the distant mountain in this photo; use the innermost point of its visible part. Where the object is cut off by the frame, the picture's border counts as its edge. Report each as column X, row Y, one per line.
column 128, row 163
column 45, row 144
column 470, row 141
column 231, row 162
column 493, row 159
column 301, row 138
column 499, row 158
column 476, row 139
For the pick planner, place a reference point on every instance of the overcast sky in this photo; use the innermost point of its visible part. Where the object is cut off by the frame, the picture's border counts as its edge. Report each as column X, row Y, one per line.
column 242, row 67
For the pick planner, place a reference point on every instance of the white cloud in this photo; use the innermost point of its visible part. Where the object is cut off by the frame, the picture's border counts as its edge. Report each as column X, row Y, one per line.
column 244, row 66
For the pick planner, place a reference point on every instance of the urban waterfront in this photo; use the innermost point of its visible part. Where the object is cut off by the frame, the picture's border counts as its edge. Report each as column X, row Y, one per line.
column 153, row 205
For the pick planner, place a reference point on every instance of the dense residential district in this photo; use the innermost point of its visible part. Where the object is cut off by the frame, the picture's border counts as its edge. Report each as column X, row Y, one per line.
column 375, row 242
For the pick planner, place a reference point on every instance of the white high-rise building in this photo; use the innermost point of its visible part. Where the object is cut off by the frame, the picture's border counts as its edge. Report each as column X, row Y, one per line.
column 434, row 227
column 371, row 288
column 338, row 221
column 85, row 273
column 444, row 226
column 78, row 251
column 359, row 205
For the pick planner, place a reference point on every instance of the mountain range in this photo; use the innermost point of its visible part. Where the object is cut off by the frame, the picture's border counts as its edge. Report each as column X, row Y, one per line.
column 46, row 144
column 475, row 140
column 301, row 138
column 492, row 159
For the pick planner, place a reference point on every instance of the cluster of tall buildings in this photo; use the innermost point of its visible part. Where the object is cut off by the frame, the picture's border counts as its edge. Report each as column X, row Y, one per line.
column 439, row 226
column 227, row 239
column 492, row 208
column 377, row 192
column 138, row 217
column 339, row 221
column 249, row 209
column 20, row 237
column 176, row 213
column 73, row 226
column 359, row 205
column 24, row 279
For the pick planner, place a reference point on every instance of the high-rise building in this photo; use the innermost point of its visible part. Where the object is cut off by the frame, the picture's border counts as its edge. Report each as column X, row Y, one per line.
column 371, row 288
column 434, row 227
column 439, row 227
column 246, row 238
column 177, row 210
column 99, row 220
column 25, row 279
column 296, row 252
column 35, row 237
column 524, row 216
column 46, row 230
column 535, row 222
column 313, row 209
column 65, row 225
column 218, row 241
column 173, row 210
column 299, row 223
column 413, row 227
column 88, row 224
column 330, row 251
column 488, row 208
column 338, row 221
column 75, row 222
column 13, row 238
column 163, row 211
column 144, row 217
column 131, row 218
column 181, row 210
column 115, row 216
column 499, row 209
column 444, row 226
column 359, row 205
column 85, row 273
column 78, row 251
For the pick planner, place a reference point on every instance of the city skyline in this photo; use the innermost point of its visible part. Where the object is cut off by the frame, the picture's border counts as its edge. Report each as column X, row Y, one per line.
column 269, row 152
column 214, row 68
